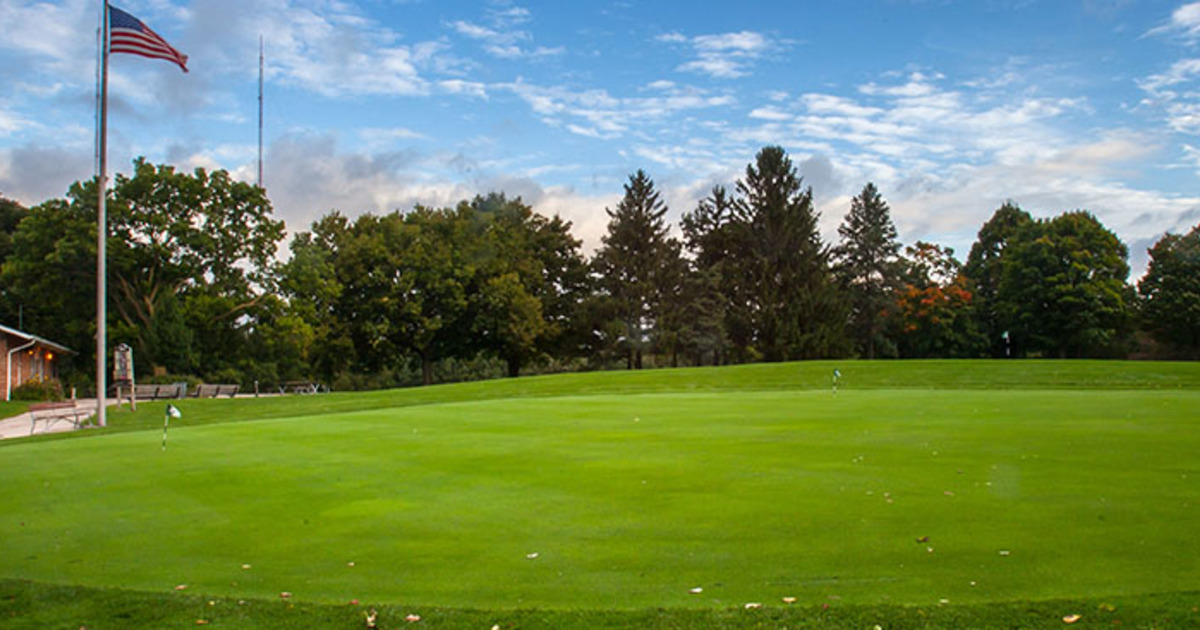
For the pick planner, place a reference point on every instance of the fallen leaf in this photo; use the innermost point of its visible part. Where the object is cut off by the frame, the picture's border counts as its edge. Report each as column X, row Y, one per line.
column 923, row 539
column 245, row 567
column 1107, row 607
column 496, row 627
column 948, row 493
column 929, row 549
column 371, row 618
column 354, row 602
column 285, row 595
column 697, row 590
column 1004, row 552
column 943, row 602
column 349, row 564
column 531, row 556
column 201, row 622
column 181, row 587
column 789, row 600
column 412, row 618
column 1071, row 618
column 753, row 605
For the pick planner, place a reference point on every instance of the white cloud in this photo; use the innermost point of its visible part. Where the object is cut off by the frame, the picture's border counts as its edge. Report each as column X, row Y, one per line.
column 49, row 35
column 1184, row 22
column 1177, row 92
column 725, row 55
column 598, row 114
column 11, row 123
column 1192, row 154
column 32, row 174
column 324, row 46
column 503, row 37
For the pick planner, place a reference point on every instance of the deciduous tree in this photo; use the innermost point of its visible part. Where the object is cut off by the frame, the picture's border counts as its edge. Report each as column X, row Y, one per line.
column 1170, row 293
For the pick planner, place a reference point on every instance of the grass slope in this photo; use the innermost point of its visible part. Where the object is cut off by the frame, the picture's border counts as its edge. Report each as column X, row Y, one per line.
column 730, row 480
column 809, row 375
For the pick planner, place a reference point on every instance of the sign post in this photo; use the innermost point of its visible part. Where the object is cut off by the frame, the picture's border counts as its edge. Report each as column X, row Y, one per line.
column 123, row 373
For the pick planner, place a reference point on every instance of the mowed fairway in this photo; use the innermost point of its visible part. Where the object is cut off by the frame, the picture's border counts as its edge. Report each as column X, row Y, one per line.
column 627, row 501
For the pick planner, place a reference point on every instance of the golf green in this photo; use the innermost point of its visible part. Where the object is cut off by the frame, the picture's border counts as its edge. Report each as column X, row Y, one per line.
column 607, row 501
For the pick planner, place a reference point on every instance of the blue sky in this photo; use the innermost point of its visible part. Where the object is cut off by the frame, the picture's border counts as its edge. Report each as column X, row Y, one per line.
column 949, row 107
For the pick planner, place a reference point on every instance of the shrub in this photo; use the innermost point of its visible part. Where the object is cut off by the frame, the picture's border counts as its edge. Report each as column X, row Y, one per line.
column 38, row 390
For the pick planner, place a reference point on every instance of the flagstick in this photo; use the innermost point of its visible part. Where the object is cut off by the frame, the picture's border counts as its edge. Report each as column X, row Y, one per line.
column 102, row 231
column 166, row 421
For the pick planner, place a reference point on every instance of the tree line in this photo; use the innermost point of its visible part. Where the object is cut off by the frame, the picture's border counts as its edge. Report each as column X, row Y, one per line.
column 490, row 287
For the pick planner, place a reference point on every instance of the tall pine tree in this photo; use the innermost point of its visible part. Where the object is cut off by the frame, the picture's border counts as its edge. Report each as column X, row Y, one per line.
column 635, row 265
column 868, row 267
column 797, row 311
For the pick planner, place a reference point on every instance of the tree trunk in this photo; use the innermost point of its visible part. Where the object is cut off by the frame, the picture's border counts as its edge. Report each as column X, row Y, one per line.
column 514, row 367
column 637, row 360
column 426, row 370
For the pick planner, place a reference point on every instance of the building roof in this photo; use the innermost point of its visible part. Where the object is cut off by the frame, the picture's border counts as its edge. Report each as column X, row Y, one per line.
column 45, row 342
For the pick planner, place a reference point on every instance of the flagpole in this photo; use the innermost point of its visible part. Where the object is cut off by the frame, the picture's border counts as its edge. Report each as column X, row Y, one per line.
column 260, row 110
column 102, row 231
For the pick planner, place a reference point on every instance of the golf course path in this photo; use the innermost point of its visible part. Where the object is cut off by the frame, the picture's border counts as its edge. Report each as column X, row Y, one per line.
column 19, row 425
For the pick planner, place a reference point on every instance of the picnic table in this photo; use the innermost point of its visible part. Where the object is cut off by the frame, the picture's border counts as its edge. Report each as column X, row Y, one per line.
column 299, row 387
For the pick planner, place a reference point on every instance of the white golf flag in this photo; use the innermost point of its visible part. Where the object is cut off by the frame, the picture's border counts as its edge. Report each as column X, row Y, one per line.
column 173, row 412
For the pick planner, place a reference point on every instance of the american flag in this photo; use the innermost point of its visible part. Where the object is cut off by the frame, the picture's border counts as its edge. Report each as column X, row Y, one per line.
column 127, row 34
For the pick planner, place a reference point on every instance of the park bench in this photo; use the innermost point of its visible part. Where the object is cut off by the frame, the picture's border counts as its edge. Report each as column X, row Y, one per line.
column 211, row 390
column 52, row 412
column 158, row 392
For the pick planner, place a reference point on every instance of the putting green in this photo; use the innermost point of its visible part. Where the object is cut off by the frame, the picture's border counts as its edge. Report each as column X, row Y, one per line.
column 620, row 502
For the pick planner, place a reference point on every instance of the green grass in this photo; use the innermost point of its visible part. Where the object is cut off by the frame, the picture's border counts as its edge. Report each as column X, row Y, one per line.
column 10, row 408
column 814, row 375
column 1042, row 487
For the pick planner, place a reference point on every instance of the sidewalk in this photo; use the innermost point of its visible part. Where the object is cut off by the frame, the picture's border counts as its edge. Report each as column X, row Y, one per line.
column 18, row 426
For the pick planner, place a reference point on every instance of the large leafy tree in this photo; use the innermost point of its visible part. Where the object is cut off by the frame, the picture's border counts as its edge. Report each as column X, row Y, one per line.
column 1170, row 293
column 796, row 309
column 189, row 256
column 935, row 315
column 531, row 281
column 634, row 265
column 1062, row 290
column 984, row 270
column 309, row 284
column 51, row 274
column 11, row 215
column 868, row 265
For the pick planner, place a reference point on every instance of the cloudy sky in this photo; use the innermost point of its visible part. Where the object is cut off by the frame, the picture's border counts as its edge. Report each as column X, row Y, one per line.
column 950, row 107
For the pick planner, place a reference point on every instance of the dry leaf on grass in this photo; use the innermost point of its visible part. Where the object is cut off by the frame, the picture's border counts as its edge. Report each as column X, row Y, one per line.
column 1071, row 618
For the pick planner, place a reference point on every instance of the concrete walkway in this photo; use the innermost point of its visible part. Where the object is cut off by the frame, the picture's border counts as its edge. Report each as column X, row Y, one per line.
column 18, row 426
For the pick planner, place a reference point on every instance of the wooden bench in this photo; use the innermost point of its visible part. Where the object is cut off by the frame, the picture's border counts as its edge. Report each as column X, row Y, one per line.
column 210, row 390
column 51, row 412
column 158, row 392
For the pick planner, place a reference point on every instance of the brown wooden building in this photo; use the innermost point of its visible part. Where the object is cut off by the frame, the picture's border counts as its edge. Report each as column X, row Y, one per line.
column 25, row 357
